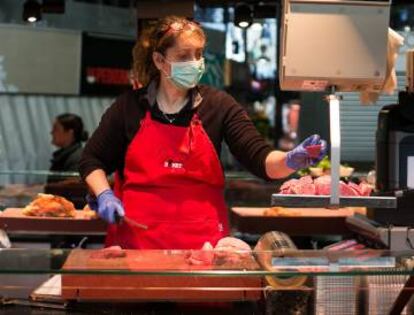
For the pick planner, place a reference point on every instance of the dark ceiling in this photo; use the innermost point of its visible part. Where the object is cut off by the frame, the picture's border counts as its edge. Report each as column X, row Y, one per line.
column 221, row 3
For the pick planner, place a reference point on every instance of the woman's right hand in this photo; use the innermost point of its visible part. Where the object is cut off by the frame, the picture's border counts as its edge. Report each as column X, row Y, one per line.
column 110, row 208
column 301, row 157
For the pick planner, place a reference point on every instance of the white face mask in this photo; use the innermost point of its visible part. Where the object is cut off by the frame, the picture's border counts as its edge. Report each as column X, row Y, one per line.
column 187, row 74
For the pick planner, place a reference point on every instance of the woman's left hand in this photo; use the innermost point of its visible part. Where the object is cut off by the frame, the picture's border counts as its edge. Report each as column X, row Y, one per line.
column 306, row 154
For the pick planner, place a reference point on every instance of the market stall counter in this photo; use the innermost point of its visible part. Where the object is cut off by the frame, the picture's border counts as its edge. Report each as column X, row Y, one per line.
column 293, row 221
column 239, row 282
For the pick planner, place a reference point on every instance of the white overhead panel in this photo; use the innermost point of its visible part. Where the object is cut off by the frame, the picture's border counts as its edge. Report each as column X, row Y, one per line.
column 341, row 43
column 39, row 60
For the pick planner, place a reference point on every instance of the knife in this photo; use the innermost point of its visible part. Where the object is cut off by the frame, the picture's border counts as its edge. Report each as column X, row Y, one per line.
column 124, row 219
column 134, row 223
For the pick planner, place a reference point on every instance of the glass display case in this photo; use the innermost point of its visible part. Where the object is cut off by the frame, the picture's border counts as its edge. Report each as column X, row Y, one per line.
column 246, row 282
column 45, row 268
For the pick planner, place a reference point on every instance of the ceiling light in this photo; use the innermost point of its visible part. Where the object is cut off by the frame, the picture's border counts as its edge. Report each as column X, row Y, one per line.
column 32, row 11
column 243, row 15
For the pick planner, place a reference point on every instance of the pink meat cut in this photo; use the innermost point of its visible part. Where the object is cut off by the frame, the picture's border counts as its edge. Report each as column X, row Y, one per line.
column 322, row 186
column 365, row 189
column 314, row 150
column 228, row 247
column 109, row 253
column 304, row 186
column 356, row 188
column 290, row 183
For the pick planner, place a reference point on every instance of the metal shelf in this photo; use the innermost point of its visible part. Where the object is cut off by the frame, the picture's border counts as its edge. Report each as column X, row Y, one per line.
column 310, row 201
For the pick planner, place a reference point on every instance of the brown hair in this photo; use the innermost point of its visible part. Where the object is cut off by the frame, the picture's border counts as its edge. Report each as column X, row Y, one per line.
column 157, row 38
column 73, row 122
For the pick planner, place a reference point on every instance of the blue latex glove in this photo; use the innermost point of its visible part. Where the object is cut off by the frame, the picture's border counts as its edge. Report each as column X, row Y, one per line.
column 92, row 202
column 299, row 157
column 109, row 206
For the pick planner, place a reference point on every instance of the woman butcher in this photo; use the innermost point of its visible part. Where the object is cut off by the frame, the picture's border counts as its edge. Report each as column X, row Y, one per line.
column 164, row 142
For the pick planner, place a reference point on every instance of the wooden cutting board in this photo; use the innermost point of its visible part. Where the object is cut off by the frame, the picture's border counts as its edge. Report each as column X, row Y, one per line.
column 152, row 287
column 13, row 220
column 293, row 221
column 299, row 212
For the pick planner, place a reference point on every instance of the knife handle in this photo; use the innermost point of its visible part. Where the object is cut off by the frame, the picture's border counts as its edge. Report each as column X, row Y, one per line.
column 118, row 218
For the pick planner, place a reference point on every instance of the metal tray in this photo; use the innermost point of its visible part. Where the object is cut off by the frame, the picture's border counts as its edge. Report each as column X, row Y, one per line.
column 310, row 201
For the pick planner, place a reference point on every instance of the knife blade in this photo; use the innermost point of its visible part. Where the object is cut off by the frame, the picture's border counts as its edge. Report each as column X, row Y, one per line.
column 124, row 219
column 134, row 223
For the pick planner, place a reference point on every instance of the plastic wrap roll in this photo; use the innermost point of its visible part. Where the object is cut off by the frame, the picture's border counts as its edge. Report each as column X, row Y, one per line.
column 280, row 242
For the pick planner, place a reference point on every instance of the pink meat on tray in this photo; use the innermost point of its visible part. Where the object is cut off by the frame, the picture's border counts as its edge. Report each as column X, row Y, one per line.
column 304, row 189
column 286, row 185
column 365, row 189
column 356, row 188
column 302, row 186
column 322, row 186
column 306, row 180
column 326, row 179
column 345, row 190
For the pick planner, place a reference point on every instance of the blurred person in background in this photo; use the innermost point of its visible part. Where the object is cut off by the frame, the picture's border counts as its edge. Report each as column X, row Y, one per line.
column 67, row 134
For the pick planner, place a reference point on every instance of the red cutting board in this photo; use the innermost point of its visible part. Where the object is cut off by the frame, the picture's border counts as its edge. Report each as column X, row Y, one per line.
column 13, row 220
column 174, row 286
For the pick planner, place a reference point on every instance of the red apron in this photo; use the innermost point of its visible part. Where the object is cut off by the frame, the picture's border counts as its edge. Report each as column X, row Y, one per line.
column 174, row 184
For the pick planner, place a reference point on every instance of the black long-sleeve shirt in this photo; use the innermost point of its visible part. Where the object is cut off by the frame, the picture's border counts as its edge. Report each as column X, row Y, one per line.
column 221, row 116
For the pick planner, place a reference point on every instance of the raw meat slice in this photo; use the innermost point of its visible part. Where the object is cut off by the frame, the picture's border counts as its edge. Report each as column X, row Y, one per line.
column 322, row 186
column 294, row 185
column 306, row 180
column 313, row 150
column 288, row 184
column 231, row 250
column 345, row 190
column 109, row 253
column 355, row 187
column 232, row 243
column 204, row 256
column 304, row 189
column 323, row 189
column 356, row 247
column 326, row 179
column 286, row 192
column 341, row 245
column 365, row 189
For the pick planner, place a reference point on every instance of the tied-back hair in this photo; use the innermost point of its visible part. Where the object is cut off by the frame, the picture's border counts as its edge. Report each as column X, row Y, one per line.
column 158, row 38
column 73, row 122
